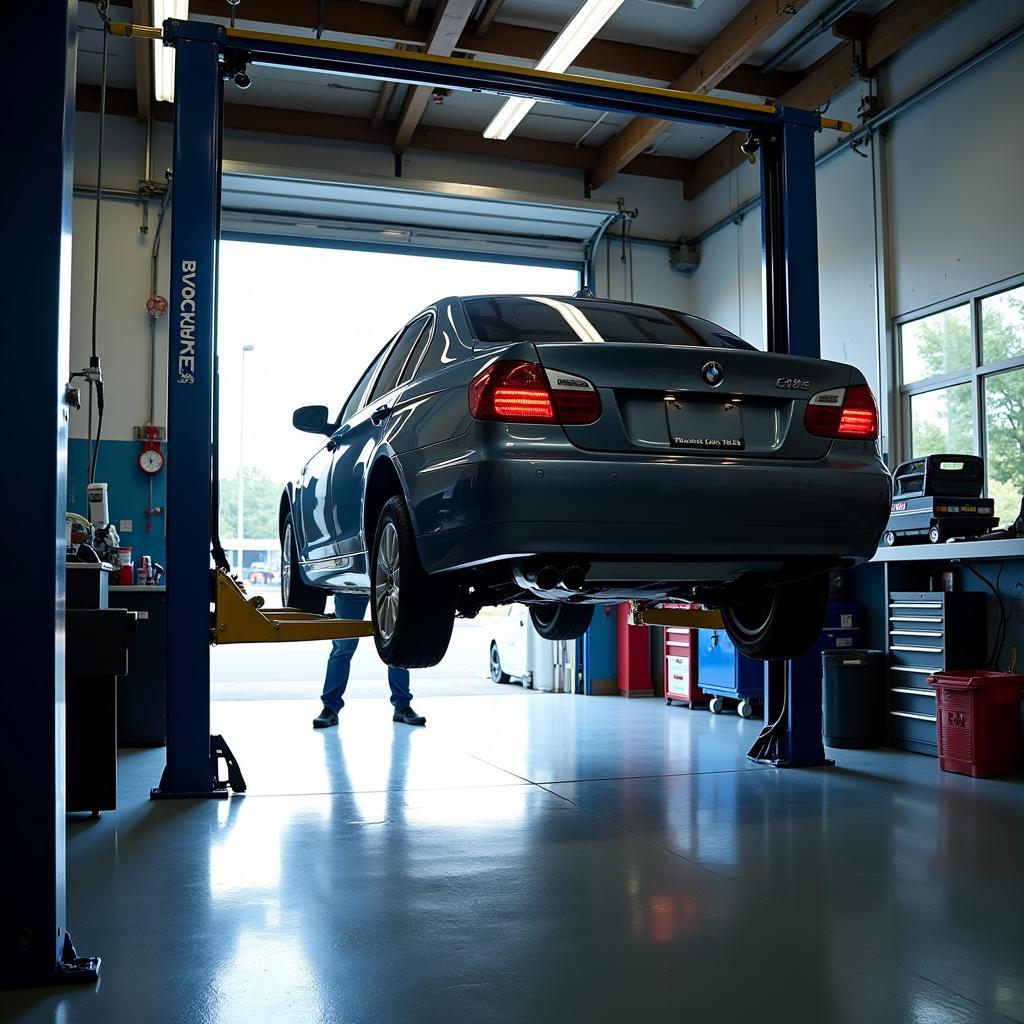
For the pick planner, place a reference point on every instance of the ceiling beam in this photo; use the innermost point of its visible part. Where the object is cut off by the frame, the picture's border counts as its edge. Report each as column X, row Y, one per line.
column 487, row 16
column 364, row 20
column 341, row 128
column 754, row 25
column 887, row 33
column 450, row 20
column 411, row 11
column 141, row 15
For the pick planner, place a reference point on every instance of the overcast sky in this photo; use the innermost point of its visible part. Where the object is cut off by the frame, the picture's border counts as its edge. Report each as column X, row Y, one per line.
column 316, row 317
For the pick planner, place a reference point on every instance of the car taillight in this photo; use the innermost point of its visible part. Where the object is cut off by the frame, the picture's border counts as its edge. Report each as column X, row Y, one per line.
column 522, row 392
column 848, row 413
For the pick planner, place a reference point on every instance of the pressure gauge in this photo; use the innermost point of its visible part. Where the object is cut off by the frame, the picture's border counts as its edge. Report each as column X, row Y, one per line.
column 151, row 460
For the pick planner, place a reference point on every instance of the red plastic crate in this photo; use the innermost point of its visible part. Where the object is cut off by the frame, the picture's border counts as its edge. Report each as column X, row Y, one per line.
column 978, row 721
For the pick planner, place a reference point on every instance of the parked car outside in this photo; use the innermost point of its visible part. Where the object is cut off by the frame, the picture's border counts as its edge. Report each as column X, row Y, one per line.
column 565, row 452
column 507, row 655
column 260, row 572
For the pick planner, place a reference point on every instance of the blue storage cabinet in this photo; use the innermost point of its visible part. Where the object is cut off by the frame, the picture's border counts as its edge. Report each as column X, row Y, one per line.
column 723, row 673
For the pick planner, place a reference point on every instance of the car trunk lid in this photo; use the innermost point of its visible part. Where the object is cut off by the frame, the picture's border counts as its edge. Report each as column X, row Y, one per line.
column 690, row 400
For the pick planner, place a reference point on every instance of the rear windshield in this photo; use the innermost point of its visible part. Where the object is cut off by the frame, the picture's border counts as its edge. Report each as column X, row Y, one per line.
column 507, row 319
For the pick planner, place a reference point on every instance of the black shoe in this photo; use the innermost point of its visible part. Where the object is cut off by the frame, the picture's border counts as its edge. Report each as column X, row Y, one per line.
column 325, row 719
column 408, row 717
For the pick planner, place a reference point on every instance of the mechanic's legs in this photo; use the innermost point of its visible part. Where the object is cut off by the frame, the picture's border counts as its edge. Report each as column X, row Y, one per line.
column 346, row 606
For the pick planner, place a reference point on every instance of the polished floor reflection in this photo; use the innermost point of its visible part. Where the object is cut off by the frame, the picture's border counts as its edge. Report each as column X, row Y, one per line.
column 544, row 857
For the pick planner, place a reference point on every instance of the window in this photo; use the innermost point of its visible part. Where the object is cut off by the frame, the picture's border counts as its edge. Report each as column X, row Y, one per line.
column 506, row 319
column 416, row 357
column 962, row 388
column 395, row 362
column 443, row 352
column 355, row 399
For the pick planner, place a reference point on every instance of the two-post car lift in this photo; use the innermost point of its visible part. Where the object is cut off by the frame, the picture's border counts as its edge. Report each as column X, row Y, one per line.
column 200, row 602
column 206, row 56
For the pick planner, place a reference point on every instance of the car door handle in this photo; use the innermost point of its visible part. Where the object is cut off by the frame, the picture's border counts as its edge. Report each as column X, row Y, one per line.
column 379, row 414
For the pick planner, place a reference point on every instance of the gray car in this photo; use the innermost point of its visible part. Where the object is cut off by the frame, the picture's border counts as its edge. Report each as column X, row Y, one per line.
column 563, row 452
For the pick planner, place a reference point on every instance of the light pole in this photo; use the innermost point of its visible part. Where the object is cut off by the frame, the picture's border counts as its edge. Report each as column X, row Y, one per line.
column 241, row 462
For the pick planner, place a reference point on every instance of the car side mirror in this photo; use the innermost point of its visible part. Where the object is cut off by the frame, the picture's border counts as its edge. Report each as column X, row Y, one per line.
column 312, row 419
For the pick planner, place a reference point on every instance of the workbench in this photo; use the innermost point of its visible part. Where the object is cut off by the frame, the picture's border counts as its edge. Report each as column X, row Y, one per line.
column 904, row 610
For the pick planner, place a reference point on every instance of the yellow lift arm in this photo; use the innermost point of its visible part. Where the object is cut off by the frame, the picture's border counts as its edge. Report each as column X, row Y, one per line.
column 243, row 620
column 687, row 618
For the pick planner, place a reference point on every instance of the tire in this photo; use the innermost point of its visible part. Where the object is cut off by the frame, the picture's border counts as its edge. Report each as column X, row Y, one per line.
column 497, row 676
column 781, row 622
column 413, row 613
column 295, row 591
column 744, row 709
column 555, row 621
column 890, row 538
column 934, row 535
column 715, row 705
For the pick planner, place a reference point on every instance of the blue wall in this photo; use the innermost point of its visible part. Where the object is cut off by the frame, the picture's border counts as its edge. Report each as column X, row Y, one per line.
column 128, row 492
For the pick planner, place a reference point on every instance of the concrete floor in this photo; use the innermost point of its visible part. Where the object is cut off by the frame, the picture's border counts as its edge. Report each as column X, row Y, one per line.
column 545, row 857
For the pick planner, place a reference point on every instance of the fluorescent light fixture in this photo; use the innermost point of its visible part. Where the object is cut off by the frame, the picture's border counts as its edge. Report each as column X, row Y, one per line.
column 568, row 45
column 163, row 56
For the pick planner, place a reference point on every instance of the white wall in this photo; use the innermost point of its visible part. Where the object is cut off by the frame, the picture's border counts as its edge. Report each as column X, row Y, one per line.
column 956, row 210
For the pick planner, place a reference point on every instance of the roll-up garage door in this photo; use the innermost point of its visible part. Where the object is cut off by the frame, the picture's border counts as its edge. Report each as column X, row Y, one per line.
column 315, row 205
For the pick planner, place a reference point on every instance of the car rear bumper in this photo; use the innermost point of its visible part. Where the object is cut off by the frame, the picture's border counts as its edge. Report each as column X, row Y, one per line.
column 475, row 506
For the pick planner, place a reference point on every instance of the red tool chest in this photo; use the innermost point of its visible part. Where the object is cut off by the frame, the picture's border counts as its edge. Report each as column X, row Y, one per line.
column 681, row 664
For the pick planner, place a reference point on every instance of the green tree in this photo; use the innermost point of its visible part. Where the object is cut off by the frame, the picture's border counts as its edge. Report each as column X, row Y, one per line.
column 262, row 499
column 942, row 344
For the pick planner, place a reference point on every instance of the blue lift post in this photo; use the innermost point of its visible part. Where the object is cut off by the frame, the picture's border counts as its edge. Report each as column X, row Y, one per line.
column 789, row 240
column 195, row 235
column 786, row 138
column 35, row 948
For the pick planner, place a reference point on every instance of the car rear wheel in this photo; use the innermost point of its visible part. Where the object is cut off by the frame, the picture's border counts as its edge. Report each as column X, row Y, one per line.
column 497, row 675
column 413, row 613
column 779, row 622
column 295, row 592
column 554, row 621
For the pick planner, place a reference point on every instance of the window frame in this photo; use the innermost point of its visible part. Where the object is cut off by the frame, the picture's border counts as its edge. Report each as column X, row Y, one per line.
column 975, row 375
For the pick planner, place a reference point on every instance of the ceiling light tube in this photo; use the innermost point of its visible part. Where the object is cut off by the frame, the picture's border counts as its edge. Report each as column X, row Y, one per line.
column 567, row 46
column 163, row 56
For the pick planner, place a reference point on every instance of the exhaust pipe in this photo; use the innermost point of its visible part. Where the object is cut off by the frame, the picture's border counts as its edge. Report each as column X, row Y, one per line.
column 574, row 578
column 546, row 578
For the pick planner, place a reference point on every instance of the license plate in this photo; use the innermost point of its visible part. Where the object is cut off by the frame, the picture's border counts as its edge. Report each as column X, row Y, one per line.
column 709, row 426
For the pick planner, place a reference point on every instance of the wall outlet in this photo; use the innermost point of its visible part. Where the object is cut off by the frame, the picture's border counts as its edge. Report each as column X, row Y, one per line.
column 125, row 526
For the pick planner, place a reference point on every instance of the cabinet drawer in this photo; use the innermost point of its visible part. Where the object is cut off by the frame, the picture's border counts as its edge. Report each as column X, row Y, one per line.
column 906, row 725
column 921, row 658
column 912, row 699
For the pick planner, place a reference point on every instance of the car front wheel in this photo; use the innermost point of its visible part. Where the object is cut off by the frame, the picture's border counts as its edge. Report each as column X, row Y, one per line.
column 780, row 622
column 554, row 621
column 295, row 592
column 413, row 613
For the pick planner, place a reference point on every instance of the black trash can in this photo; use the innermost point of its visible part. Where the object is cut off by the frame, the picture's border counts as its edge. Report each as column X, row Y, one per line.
column 853, row 698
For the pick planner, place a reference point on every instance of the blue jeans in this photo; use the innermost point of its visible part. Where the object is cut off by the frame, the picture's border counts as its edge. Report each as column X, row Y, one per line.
column 353, row 606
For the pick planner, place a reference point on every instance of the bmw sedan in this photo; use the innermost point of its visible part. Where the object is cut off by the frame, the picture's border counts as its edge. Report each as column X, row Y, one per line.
column 562, row 452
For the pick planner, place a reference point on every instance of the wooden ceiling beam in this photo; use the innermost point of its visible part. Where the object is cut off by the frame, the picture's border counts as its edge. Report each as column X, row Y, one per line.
column 450, row 20
column 364, row 20
column 341, row 128
column 754, row 25
column 487, row 16
column 888, row 32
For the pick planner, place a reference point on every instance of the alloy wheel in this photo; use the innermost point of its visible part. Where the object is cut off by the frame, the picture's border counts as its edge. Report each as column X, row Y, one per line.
column 286, row 564
column 387, row 579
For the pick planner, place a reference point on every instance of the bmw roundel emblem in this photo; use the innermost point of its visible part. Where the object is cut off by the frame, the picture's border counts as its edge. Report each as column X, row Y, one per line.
column 713, row 374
